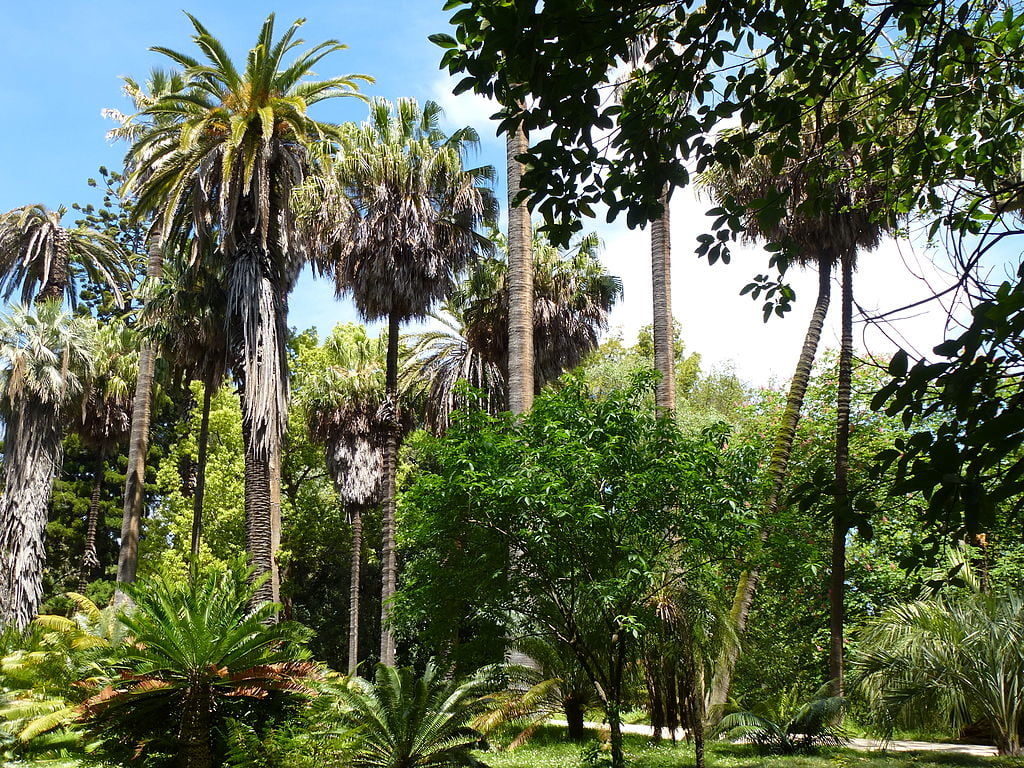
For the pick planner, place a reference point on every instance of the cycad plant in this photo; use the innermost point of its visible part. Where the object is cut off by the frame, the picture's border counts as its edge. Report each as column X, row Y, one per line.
column 415, row 721
column 197, row 654
column 790, row 727
column 221, row 162
column 395, row 215
column 46, row 358
column 957, row 658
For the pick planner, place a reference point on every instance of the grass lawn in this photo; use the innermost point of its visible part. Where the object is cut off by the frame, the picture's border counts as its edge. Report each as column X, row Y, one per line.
column 549, row 750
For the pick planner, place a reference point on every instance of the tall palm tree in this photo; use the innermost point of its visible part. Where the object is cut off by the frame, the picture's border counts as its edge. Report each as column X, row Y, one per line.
column 131, row 128
column 661, row 290
column 104, row 420
column 396, row 213
column 43, row 260
column 46, row 357
column 341, row 394
column 825, row 218
column 572, row 296
column 521, row 348
column 223, row 161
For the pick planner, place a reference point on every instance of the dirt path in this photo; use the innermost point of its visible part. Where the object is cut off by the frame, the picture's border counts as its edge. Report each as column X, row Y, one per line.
column 865, row 745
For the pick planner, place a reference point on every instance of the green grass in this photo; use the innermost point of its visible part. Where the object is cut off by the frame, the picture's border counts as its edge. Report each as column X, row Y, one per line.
column 548, row 749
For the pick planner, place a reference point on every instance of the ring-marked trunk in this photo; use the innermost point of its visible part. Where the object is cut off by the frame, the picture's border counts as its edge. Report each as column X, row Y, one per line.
column 90, row 560
column 389, row 566
column 661, row 285
column 520, row 283
column 747, row 586
column 204, row 445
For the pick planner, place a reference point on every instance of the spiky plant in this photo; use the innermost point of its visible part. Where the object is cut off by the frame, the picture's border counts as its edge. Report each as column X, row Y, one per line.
column 197, row 653
column 223, row 161
column 395, row 214
column 410, row 721
column 46, row 359
column 959, row 659
column 793, row 728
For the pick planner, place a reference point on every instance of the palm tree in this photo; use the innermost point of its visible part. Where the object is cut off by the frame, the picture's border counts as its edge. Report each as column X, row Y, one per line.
column 46, row 357
column 960, row 658
column 184, row 320
column 824, row 219
column 198, row 653
column 223, row 160
column 572, row 296
column 521, row 349
column 42, row 260
column 104, row 420
column 342, row 394
column 396, row 214
column 661, row 290
column 414, row 722
column 131, row 128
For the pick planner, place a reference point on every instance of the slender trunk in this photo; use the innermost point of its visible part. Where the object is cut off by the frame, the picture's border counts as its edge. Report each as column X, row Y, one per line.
column 520, row 284
column 57, row 281
column 574, row 717
column 388, row 564
column 138, row 443
column 747, row 585
column 615, row 733
column 841, row 519
column 655, row 700
column 194, row 728
column 697, row 715
column 33, row 456
column 664, row 348
column 204, row 444
column 353, row 590
column 257, row 514
column 275, row 517
column 90, row 562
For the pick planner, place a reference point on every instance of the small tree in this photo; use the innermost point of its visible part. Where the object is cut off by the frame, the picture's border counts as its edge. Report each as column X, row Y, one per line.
column 596, row 499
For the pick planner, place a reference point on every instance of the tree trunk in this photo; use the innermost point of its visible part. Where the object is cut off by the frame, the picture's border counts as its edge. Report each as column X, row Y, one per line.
column 138, row 443
column 33, row 456
column 200, row 493
column 57, row 281
column 257, row 514
column 194, row 728
column 661, row 284
column 841, row 518
column 388, row 563
column 90, row 562
column 520, row 284
column 615, row 734
column 574, row 717
column 353, row 590
column 747, row 585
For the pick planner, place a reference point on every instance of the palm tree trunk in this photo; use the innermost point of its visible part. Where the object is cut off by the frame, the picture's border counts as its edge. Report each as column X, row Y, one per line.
column 33, row 456
column 575, row 718
column 204, row 444
column 257, row 514
column 841, row 517
column 388, row 561
column 57, row 281
column 661, row 266
column 353, row 589
column 138, row 443
column 744, row 597
column 194, row 728
column 520, row 283
column 90, row 562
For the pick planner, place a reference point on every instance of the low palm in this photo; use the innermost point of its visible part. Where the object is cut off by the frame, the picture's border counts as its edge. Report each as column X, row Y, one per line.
column 46, row 357
column 960, row 659
column 42, row 260
column 792, row 728
column 414, row 722
column 197, row 654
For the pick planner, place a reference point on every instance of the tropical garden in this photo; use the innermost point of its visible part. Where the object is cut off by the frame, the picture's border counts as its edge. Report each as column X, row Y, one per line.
column 481, row 526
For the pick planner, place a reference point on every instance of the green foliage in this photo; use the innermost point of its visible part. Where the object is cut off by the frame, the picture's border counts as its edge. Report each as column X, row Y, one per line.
column 790, row 727
column 958, row 658
column 199, row 652
column 405, row 720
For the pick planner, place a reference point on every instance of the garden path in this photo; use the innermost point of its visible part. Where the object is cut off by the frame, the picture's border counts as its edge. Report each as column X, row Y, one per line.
column 864, row 745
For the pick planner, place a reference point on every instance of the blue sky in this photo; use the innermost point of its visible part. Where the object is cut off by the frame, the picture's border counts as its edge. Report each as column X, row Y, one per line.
column 61, row 63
